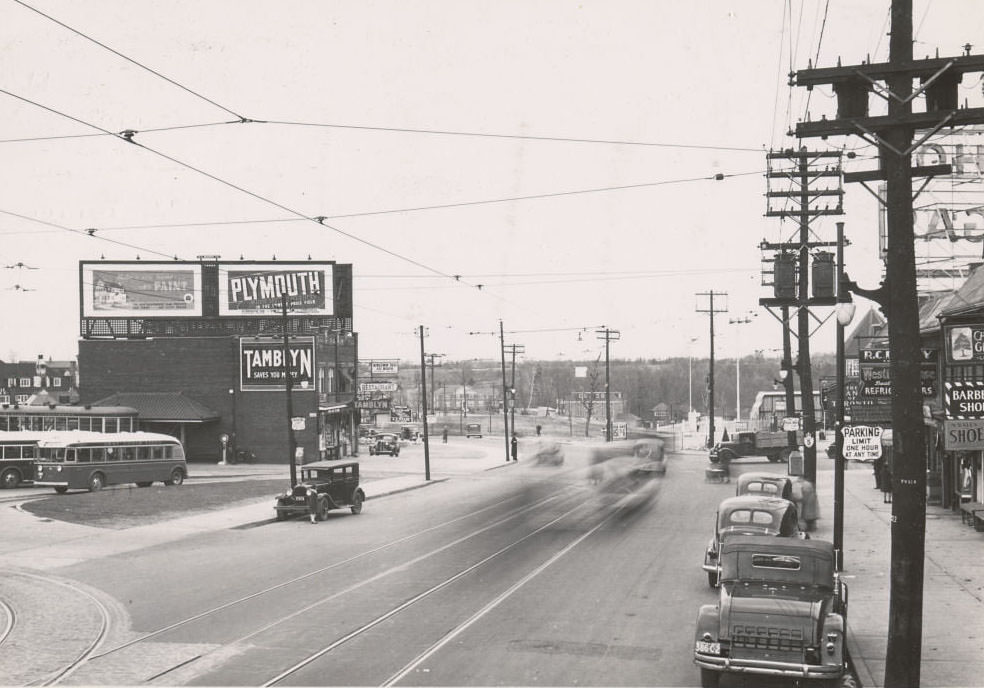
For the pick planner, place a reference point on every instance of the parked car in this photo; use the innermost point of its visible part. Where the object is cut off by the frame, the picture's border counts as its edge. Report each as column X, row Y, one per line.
column 336, row 484
column 385, row 443
column 749, row 515
column 765, row 484
column 473, row 430
column 782, row 611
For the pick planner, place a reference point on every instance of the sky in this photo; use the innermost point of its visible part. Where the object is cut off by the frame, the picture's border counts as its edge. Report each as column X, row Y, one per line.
column 557, row 166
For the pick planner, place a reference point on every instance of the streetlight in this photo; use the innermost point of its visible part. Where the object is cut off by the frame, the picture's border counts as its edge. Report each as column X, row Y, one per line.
column 739, row 321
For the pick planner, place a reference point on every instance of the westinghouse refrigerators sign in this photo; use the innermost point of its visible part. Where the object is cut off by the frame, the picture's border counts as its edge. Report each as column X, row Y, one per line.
column 260, row 291
column 261, row 364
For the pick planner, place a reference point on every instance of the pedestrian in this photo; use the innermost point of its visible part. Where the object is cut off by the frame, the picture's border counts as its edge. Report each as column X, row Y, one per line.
column 514, row 447
column 886, row 482
column 538, row 429
column 312, row 503
column 876, row 467
column 444, row 435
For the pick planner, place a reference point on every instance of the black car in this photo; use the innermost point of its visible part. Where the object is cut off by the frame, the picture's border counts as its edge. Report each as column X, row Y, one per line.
column 336, row 484
column 386, row 443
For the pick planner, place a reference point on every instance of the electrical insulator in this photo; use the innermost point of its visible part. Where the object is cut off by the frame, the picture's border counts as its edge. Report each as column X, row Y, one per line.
column 823, row 275
column 785, row 276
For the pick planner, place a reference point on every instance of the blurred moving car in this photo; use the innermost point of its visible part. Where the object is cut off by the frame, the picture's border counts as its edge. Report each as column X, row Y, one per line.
column 765, row 484
column 385, row 443
column 473, row 430
column 782, row 611
column 336, row 484
column 749, row 515
column 548, row 454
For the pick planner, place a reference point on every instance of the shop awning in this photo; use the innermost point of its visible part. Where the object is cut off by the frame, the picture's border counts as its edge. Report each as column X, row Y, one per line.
column 162, row 407
column 334, row 408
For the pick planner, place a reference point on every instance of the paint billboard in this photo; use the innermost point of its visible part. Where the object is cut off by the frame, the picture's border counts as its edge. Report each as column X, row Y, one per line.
column 257, row 289
column 143, row 289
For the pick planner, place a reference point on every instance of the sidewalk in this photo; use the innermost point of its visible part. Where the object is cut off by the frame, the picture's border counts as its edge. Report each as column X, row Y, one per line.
column 953, row 589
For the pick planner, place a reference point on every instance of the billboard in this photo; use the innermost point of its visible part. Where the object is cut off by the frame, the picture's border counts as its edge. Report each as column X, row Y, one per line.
column 257, row 289
column 261, row 364
column 142, row 289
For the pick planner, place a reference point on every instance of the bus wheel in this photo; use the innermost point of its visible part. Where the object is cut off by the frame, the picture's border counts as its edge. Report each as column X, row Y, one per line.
column 10, row 479
column 96, row 482
column 145, row 483
column 177, row 477
column 61, row 489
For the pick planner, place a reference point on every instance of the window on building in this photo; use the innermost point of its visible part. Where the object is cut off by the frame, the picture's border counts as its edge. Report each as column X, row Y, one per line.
column 25, row 382
column 4, row 398
column 11, row 381
column 56, row 382
column 22, row 398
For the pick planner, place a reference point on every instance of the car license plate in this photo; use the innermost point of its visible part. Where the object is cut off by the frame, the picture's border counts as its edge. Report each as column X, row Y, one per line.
column 707, row 648
column 300, row 500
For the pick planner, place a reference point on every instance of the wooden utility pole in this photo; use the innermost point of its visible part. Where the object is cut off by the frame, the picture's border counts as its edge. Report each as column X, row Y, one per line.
column 505, row 410
column 893, row 134
column 810, row 189
column 423, row 398
column 710, row 310
column 609, row 336
column 289, row 388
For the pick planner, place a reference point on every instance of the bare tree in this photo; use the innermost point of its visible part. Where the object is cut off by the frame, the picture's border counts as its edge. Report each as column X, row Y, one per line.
column 591, row 396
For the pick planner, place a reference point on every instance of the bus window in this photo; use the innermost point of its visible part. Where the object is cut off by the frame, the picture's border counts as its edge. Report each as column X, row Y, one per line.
column 28, row 451
column 128, row 453
column 158, row 452
column 143, row 453
column 84, row 455
column 111, row 425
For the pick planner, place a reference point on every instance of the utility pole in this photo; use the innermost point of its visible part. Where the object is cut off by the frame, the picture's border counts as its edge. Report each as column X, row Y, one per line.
column 430, row 359
column 739, row 321
column 514, row 349
column 893, row 135
column 505, row 418
column 609, row 336
column 289, row 387
column 710, row 310
column 423, row 398
column 809, row 188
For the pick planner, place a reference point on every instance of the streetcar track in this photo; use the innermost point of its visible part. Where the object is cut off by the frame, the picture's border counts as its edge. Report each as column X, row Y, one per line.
column 418, row 597
column 11, row 621
column 401, row 567
column 86, row 653
column 502, row 597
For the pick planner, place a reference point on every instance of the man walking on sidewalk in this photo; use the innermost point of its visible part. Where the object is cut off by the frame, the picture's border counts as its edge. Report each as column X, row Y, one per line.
column 514, row 447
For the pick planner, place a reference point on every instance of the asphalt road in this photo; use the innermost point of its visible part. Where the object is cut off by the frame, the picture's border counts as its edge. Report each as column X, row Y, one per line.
column 530, row 576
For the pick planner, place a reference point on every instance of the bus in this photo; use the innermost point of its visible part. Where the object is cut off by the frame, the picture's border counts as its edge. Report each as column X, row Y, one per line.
column 15, row 417
column 17, row 453
column 770, row 408
column 92, row 460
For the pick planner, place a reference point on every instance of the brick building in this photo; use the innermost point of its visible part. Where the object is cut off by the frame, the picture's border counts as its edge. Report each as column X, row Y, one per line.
column 197, row 348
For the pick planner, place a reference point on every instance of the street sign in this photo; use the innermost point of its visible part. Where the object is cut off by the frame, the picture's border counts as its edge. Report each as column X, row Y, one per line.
column 620, row 431
column 297, row 423
column 790, row 423
column 862, row 442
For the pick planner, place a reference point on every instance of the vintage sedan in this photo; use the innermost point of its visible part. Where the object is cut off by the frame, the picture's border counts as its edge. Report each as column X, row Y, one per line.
column 335, row 484
column 764, row 484
column 749, row 515
column 781, row 611
column 385, row 443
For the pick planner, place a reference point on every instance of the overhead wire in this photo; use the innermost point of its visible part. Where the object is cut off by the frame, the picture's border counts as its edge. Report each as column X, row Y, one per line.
column 129, row 59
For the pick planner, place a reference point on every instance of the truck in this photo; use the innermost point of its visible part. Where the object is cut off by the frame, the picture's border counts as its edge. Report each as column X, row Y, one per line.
column 770, row 444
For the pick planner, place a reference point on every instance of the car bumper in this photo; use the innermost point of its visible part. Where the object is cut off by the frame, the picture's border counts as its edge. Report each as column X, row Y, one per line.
column 767, row 668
